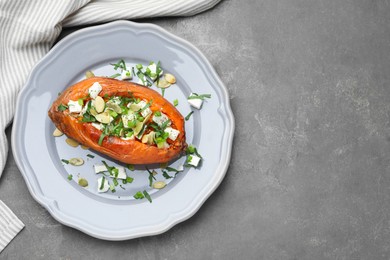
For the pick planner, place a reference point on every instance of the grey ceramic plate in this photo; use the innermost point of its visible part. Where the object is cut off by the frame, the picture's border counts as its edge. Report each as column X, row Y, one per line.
column 118, row 216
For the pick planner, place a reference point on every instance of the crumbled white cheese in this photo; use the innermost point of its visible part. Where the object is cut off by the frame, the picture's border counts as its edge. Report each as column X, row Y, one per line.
column 173, row 133
column 126, row 74
column 106, row 185
column 100, row 168
column 197, row 102
column 94, row 90
column 194, row 160
column 74, row 106
column 180, row 168
column 98, row 126
column 127, row 118
column 160, row 120
column 146, row 111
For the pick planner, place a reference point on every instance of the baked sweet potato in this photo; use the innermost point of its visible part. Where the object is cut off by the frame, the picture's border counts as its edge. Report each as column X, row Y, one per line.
column 117, row 132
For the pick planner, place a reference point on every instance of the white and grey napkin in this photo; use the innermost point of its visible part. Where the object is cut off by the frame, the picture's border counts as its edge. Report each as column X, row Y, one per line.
column 28, row 30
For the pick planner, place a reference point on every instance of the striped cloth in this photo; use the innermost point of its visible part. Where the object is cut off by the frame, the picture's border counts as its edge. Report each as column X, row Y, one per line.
column 29, row 28
column 10, row 225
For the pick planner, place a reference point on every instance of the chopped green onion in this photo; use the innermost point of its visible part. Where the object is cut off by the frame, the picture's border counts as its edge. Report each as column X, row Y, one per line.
column 112, row 188
column 188, row 116
column 130, row 167
column 166, row 175
column 102, row 185
column 81, row 101
column 147, row 196
column 201, row 96
column 138, row 195
column 128, row 180
column 90, row 156
column 175, row 102
column 162, row 91
column 62, row 107
column 157, row 113
column 115, row 75
column 139, row 66
column 70, row 177
column 101, row 139
column 65, row 161
column 115, row 181
column 146, row 106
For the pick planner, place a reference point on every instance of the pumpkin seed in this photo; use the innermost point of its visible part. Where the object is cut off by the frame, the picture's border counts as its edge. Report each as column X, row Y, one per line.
column 84, row 147
column 57, row 132
column 148, row 138
column 138, row 128
column 72, row 142
column 135, row 107
column 99, row 104
column 170, row 78
column 104, row 118
column 159, row 185
column 76, row 161
column 93, row 111
column 83, row 182
column 114, row 107
column 163, row 83
column 89, row 74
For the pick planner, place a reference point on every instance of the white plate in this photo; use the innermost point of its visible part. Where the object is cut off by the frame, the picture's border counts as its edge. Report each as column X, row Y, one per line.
column 118, row 216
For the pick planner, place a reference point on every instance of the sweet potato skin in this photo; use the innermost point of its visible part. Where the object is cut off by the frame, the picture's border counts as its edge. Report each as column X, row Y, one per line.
column 126, row 151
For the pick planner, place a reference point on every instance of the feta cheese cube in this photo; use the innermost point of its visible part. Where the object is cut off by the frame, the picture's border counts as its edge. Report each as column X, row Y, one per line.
column 98, row 126
column 180, row 168
column 194, row 160
column 100, row 168
column 127, row 118
column 160, row 120
column 146, row 111
column 173, row 133
column 126, row 74
column 74, row 106
column 106, row 185
column 197, row 102
column 94, row 90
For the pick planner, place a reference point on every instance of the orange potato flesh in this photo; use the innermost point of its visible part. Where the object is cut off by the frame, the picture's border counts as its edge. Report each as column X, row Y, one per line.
column 127, row 151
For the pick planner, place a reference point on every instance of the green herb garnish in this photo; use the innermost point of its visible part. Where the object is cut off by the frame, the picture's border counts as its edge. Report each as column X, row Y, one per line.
column 147, row 196
column 65, row 161
column 70, row 177
column 62, row 107
column 115, row 181
column 120, row 64
column 102, row 184
column 90, row 156
column 138, row 195
column 188, row 116
column 101, row 139
column 151, row 176
column 199, row 96
column 115, row 75
column 157, row 113
column 166, row 175
column 130, row 167
column 175, row 102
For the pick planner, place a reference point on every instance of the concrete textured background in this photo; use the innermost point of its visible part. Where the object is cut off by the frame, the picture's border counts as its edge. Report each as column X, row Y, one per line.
column 310, row 172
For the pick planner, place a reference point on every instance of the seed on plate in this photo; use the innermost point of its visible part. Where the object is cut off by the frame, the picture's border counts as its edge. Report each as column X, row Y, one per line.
column 159, row 185
column 76, row 161
column 83, row 182
column 57, row 132
column 170, row 78
column 89, row 74
column 163, row 83
column 104, row 117
column 99, row 104
column 72, row 142
column 84, row 147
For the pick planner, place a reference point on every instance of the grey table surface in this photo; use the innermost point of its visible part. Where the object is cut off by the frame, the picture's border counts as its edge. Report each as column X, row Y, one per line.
column 310, row 171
